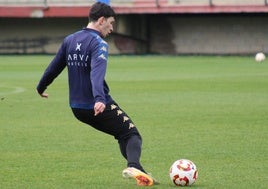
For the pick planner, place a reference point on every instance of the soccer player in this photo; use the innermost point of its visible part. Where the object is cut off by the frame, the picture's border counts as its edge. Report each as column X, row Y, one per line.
column 85, row 54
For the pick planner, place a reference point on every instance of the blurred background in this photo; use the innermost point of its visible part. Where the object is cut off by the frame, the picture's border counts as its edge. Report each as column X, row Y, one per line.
column 206, row 27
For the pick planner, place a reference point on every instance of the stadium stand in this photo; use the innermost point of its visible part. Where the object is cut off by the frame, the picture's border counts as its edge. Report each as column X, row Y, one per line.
column 15, row 45
column 143, row 26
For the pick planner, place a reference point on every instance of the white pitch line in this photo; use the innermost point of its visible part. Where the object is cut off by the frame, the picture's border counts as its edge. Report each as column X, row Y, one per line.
column 14, row 90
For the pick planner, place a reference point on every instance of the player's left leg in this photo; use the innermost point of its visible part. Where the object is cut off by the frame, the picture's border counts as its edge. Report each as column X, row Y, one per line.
column 130, row 148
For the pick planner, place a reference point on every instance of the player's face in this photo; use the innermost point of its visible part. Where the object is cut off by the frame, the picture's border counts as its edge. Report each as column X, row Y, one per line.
column 107, row 26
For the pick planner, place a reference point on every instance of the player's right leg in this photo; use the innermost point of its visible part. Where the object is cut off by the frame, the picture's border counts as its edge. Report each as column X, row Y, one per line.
column 142, row 179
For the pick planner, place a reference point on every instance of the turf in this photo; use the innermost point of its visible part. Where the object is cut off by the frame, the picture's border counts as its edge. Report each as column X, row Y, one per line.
column 212, row 110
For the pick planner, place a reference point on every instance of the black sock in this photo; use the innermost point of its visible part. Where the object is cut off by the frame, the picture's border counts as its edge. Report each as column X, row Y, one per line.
column 133, row 151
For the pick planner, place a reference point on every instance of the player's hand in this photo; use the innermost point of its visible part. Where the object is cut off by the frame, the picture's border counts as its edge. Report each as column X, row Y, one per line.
column 43, row 95
column 99, row 108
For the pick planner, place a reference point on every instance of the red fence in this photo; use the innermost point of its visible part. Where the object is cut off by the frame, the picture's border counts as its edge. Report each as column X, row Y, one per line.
column 79, row 8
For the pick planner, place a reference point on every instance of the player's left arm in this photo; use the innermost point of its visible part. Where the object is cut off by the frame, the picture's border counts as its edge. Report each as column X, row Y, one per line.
column 98, row 71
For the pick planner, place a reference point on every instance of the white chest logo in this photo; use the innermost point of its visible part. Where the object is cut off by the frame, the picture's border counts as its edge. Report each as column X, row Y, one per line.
column 78, row 46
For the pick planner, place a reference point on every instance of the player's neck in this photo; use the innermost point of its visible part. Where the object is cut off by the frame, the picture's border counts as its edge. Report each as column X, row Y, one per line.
column 93, row 25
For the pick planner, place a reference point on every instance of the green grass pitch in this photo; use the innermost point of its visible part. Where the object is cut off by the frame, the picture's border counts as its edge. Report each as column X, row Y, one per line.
column 212, row 110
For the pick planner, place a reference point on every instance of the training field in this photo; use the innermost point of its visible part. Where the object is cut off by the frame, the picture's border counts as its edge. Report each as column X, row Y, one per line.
column 212, row 110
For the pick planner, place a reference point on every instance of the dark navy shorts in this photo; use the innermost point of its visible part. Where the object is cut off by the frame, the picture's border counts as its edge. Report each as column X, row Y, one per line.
column 113, row 121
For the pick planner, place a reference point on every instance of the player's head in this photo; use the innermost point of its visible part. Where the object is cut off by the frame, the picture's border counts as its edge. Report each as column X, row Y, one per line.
column 103, row 16
column 99, row 10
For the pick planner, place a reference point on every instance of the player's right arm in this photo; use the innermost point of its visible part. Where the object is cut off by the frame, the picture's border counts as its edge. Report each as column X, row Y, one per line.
column 52, row 71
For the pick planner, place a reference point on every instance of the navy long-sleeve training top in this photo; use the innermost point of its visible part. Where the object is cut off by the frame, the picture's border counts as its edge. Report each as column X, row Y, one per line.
column 85, row 54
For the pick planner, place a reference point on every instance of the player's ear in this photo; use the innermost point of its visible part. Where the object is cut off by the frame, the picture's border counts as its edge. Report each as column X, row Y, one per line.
column 101, row 20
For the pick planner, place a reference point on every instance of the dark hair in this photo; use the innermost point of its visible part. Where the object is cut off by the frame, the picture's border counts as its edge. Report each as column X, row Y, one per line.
column 100, row 9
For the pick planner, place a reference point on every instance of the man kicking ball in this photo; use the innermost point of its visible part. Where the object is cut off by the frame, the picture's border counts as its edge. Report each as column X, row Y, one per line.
column 85, row 55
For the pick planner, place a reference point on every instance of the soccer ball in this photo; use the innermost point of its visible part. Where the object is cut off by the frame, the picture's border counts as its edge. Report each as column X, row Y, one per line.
column 183, row 172
column 260, row 57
